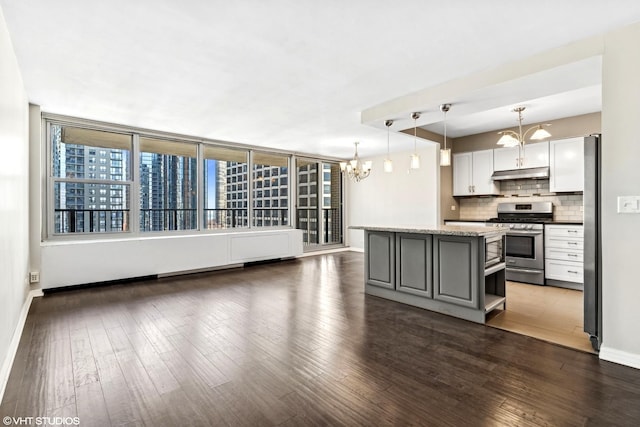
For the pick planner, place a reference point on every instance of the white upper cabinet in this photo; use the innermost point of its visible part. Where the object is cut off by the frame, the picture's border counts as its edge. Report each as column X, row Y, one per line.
column 507, row 158
column 566, row 161
column 482, row 171
column 462, row 171
column 532, row 156
column 536, row 155
column 472, row 174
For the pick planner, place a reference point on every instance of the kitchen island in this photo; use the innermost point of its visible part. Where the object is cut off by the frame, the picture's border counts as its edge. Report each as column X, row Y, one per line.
column 454, row 270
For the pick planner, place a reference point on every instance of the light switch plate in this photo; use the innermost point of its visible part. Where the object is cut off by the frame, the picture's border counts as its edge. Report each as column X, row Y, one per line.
column 628, row 204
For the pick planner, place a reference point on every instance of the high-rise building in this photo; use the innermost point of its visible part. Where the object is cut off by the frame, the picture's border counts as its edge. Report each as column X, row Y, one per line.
column 88, row 206
column 270, row 194
column 168, row 197
column 319, row 226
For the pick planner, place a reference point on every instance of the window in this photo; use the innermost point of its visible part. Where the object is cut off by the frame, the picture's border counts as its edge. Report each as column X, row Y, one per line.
column 223, row 203
column 73, row 208
column 90, row 179
column 275, row 169
column 321, row 225
column 168, row 185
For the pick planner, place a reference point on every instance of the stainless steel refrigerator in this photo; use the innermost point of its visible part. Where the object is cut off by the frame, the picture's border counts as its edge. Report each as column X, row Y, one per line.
column 592, row 242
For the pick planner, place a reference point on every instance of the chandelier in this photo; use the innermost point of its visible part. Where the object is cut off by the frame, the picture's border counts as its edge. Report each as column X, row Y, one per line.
column 510, row 138
column 356, row 169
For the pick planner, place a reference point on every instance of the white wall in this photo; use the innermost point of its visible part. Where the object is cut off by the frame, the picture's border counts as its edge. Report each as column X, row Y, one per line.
column 14, row 190
column 621, row 177
column 396, row 198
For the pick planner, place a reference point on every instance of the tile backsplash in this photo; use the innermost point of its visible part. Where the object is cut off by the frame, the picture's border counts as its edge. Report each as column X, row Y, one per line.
column 566, row 206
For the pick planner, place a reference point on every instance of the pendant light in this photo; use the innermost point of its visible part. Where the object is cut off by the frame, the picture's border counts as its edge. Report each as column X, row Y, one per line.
column 445, row 153
column 388, row 164
column 415, row 158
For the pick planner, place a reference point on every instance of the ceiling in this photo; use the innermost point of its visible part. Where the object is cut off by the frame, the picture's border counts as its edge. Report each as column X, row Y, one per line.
column 296, row 75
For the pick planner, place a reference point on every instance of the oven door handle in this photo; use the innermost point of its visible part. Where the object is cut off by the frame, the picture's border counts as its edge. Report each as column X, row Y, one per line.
column 524, row 233
column 523, row 270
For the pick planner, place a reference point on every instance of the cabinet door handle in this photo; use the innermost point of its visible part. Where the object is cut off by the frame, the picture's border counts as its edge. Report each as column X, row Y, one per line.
column 571, row 271
column 517, row 162
column 473, row 188
column 572, row 231
column 573, row 255
column 469, row 189
column 572, row 243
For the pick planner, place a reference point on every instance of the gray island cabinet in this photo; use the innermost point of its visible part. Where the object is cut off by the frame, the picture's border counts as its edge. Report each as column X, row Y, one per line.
column 459, row 271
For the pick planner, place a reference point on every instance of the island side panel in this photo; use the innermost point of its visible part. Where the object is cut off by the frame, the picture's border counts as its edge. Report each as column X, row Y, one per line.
column 413, row 264
column 380, row 259
column 455, row 270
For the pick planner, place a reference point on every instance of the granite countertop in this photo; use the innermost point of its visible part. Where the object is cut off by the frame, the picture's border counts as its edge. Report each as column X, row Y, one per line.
column 449, row 230
column 482, row 221
column 467, row 220
column 565, row 223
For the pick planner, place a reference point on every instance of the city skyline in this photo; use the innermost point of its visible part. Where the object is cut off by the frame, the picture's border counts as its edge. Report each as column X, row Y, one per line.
column 93, row 179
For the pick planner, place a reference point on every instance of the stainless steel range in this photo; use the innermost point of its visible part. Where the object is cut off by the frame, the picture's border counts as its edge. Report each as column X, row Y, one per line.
column 525, row 239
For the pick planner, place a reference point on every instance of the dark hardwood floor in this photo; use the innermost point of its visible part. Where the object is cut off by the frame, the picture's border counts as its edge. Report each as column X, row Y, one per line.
column 295, row 343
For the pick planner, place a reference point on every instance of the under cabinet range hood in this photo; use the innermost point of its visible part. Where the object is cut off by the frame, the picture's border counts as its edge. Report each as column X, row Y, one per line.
column 529, row 173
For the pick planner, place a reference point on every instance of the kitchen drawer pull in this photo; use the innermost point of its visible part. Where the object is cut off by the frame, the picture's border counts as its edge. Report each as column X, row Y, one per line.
column 572, row 243
column 572, row 271
column 572, row 231
column 574, row 255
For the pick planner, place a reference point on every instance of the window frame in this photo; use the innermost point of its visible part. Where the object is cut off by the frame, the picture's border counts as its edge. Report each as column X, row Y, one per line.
column 138, row 153
column 133, row 182
column 51, row 180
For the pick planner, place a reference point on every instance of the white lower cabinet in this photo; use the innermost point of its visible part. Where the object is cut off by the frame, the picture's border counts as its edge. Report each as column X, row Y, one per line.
column 564, row 246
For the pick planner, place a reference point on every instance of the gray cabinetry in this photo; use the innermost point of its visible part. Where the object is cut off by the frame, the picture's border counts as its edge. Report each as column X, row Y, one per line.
column 442, row 269
column 380, row 258
column 413, row 264
column 456, row 269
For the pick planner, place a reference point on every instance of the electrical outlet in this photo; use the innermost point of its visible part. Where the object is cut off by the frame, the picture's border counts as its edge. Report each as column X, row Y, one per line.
column 628, row 204
column 453, row 207
column 34, row 277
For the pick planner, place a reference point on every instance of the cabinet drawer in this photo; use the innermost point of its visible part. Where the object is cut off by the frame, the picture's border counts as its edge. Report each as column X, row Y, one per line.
column 564, row 231
column 564, row 270
column 563, row 255
column 564, row 243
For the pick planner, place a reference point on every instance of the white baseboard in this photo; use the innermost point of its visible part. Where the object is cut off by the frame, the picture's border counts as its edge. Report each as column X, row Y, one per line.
column 620, row 357
column 352, row 249
column 323, row 252
column 15, row 341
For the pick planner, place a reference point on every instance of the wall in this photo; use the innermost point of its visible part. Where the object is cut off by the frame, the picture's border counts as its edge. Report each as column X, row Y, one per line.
column 567, row 206
column 568, row 127
column 446, row 177
column 620, row 177
column 36, row 184
column 397, row 198
column 14, row 190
